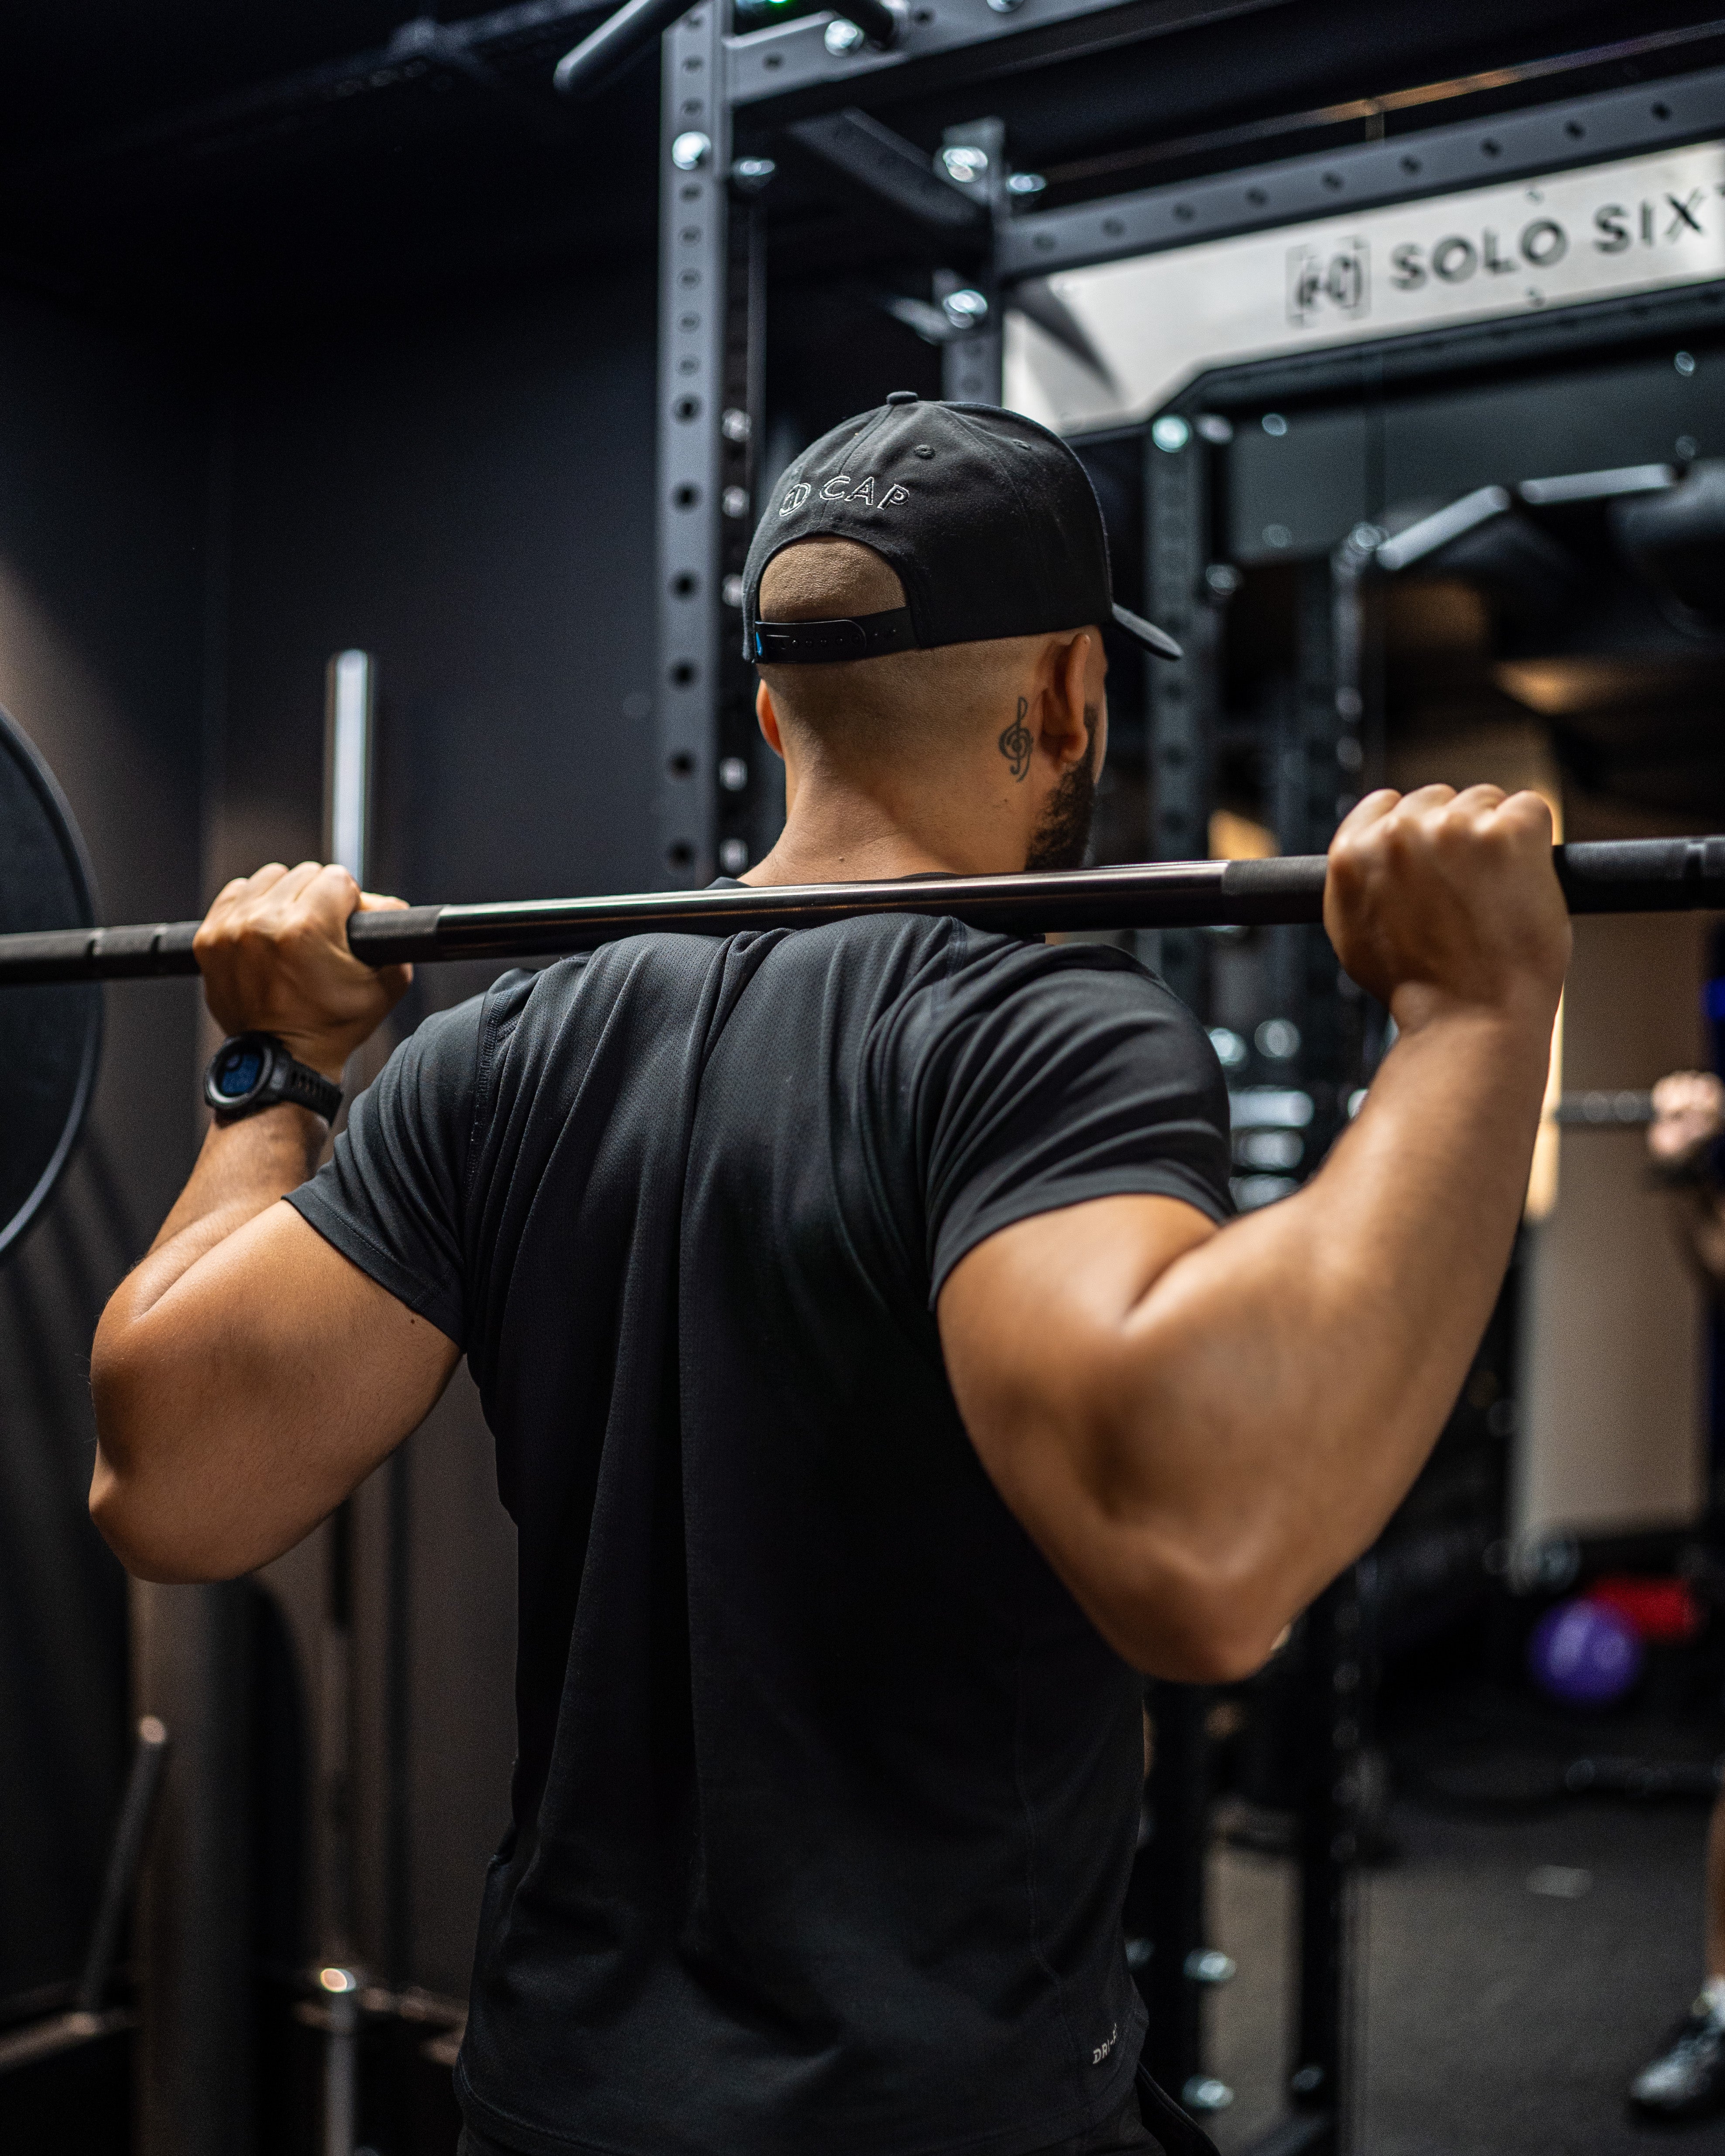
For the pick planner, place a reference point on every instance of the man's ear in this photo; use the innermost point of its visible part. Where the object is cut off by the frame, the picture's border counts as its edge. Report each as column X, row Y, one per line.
column 1064, row 735
column 767, row 719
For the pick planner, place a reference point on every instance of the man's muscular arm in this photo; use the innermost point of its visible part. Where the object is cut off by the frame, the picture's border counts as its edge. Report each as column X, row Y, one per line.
column 246, row 1376
column 1200, row 1428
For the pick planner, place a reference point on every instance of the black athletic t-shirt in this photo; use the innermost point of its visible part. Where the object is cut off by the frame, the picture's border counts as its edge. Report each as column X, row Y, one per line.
column 826, row 1792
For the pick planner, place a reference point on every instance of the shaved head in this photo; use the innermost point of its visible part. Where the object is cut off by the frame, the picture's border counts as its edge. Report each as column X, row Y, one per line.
column 827, row 579
column 964, row 721
column 904, row 701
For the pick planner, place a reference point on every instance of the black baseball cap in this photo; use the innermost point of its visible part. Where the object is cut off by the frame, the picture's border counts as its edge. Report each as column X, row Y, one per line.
column 989, row 519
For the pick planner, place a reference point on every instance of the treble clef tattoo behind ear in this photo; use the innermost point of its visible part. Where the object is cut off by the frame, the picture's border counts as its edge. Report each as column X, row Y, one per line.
column 1017, row 742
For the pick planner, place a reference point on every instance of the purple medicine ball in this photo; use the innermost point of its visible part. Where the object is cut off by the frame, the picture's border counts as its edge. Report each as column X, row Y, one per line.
column 1584, row 1654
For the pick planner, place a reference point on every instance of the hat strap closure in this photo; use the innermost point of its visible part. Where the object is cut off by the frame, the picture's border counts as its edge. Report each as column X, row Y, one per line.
column 823, row 643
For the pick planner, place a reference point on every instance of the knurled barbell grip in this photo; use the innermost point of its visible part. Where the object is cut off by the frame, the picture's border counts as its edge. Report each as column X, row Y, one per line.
column 1287, row 888
column 398, row 937
column 143, row 953
column 145, row 950
column 155, row 950
column 1599, row 875
column 1642, row 876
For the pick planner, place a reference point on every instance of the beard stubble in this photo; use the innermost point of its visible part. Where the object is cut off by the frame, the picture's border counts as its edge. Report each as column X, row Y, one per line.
column 1061, row 839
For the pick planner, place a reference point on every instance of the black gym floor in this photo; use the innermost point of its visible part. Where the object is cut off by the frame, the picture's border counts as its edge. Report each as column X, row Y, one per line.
column 1495, row 2020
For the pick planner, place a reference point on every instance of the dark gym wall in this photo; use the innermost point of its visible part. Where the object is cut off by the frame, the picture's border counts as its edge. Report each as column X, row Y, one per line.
column 466, row 493
column 103, row 483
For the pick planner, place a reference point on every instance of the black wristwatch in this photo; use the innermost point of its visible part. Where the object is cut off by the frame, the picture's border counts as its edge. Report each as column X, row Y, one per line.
column 250, row 1071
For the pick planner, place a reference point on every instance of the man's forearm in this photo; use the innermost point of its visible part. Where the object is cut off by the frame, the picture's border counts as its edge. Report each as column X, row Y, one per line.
column 246, row 1376
column 1201, row 1429
column 242, row 1167
column 1281, row 1385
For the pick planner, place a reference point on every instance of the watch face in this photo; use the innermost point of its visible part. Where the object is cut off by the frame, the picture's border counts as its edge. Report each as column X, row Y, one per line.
column 237, row 1070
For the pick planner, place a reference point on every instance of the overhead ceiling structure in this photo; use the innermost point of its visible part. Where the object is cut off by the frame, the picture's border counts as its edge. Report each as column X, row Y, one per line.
column 201, row 164
column 197, row 164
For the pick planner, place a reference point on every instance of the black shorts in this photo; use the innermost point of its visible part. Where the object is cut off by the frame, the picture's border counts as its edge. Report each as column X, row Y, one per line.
column 1125, row 2134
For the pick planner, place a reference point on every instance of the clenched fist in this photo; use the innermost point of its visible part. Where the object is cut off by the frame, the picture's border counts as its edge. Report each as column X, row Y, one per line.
column 1439, row 901
column 273, row 951
column 1688, row 1114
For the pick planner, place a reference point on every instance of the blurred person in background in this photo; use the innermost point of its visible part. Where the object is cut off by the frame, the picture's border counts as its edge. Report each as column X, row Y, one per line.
column 1687, row 2079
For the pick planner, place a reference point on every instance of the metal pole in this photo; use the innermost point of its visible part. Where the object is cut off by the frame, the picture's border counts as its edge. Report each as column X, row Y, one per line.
column 347, row 761
column 973, row 360
column 347, row 799
column 143, row 1788
column 191, row 1651
column 1180, row 695
column 1336, row 1700
column 89, row 2018
column 695, row 498
column 340, row 2060
column 1173, row 1867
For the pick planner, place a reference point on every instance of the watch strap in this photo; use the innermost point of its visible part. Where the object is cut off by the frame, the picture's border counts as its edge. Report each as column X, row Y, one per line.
column 306, row 1088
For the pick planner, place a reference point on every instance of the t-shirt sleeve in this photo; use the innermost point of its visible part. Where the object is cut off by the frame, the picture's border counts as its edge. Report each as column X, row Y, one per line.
column 1069, row 1074
column 390, row 1196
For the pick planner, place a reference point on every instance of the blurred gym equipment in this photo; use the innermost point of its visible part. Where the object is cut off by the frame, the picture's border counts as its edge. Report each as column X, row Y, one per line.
column 50, row 1036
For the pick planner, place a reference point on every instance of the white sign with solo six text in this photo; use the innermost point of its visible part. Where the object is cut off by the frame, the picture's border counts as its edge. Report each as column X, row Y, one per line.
column 1158, row 320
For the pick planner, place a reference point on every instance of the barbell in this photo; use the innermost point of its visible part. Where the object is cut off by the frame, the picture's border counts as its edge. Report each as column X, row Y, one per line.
column 52, row 955
column 1617, row 876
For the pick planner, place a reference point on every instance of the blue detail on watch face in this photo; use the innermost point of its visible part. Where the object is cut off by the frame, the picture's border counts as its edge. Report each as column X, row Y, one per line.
column 238, row 1070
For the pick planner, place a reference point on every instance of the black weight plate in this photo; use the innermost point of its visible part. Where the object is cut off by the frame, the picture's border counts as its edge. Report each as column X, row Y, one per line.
column 50, row 1036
